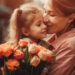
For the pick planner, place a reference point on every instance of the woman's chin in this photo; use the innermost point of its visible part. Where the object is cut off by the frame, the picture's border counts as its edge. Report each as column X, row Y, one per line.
column 50, row 32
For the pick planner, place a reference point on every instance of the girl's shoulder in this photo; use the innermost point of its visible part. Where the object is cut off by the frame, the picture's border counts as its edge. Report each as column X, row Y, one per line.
column 27, row 39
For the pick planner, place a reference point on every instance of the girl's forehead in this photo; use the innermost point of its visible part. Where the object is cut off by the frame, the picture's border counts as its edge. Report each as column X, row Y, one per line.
column 39, row 17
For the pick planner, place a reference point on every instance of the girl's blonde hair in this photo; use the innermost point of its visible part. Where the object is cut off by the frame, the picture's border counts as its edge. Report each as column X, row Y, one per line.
column 21, row 18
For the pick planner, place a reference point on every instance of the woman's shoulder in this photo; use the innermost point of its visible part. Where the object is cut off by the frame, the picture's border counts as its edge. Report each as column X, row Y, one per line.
column 67, row 47
column 67, row 39
column 70, row 42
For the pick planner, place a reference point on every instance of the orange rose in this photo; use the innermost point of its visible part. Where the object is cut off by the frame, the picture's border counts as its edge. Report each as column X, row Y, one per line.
column 19, row 54
column 35, row 61
column 32, row 42
column 12, row 64
column 1, row 54
column 6, row 49
column 23, row 43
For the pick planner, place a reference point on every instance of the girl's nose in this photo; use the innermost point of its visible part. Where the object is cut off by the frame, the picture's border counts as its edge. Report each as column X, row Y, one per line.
column 44, row 26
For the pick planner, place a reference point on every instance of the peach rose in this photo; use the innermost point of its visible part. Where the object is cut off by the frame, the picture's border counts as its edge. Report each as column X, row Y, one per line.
column 6, row 49
column 12, row 64
column 33, row 49
column 49, row 55
column 41, row 48
column 18, row 54
column 45, row 55
column 35, row 61
column 23, row 43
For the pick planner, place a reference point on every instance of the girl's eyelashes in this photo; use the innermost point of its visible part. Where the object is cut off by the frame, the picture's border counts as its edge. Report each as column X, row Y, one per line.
column 39, row 24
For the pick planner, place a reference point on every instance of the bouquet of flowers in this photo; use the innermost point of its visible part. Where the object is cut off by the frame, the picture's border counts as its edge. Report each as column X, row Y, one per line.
column 27, row 58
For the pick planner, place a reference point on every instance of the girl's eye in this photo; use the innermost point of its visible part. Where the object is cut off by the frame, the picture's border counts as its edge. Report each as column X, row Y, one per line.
column 38, row 24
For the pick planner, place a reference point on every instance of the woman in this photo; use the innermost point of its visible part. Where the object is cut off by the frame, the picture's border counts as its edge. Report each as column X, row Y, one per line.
column 60, row 19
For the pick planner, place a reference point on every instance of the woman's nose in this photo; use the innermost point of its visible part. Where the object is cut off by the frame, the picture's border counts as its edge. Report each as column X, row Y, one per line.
column 45, row 14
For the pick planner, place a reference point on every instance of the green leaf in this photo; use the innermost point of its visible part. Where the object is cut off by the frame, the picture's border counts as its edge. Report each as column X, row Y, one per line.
column 53, row 57
column 5, row 68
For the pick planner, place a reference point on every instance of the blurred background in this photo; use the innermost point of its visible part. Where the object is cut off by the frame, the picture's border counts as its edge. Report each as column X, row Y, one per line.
column 6, row 9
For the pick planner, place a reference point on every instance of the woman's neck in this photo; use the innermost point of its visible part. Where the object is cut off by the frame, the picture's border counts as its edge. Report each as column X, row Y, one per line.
column 68, row 28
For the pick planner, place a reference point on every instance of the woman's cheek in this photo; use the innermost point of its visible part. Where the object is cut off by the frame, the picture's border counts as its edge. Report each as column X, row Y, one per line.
column 55, row 19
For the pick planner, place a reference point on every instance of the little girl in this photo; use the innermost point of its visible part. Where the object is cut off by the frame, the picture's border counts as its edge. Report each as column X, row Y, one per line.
column 27, row 21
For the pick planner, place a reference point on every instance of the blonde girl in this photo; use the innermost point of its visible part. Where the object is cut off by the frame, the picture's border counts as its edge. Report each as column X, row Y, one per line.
column 27, row 21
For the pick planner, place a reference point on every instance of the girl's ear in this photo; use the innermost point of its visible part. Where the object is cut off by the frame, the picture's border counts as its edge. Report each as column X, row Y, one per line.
column 25, row 31
column 71, row 18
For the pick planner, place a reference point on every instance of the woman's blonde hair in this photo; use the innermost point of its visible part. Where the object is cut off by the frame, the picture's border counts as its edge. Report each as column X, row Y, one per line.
column 67, row 7
column 21, row 18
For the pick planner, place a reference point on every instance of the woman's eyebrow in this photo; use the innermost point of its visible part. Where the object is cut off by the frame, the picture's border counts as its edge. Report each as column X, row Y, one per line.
column 50, row 11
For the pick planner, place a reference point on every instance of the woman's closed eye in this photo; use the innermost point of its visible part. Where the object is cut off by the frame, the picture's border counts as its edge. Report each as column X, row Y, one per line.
column 53, row 15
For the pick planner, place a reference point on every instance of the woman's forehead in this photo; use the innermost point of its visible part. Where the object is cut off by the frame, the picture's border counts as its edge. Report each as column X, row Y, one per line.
column 50, row 7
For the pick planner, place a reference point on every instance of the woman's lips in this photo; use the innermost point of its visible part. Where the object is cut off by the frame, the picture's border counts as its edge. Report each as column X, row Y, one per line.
column 48, row 24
